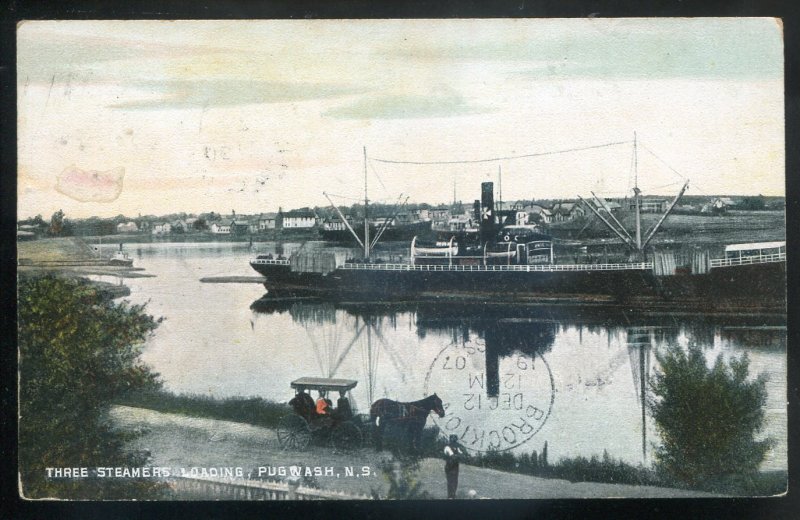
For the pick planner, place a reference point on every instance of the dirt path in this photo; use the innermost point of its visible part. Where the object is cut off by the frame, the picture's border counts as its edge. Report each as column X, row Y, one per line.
column 177, row 441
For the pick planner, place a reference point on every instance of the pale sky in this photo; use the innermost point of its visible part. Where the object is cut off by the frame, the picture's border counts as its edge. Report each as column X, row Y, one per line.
column 253, row 115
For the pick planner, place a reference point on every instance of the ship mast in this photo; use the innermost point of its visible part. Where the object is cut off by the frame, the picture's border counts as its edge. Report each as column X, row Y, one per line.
column 636, row 244
column 366, row 210
column 636, row 197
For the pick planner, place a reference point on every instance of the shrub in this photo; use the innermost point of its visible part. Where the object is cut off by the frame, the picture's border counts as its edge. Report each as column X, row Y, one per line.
column 77, row 352
column 707, row 418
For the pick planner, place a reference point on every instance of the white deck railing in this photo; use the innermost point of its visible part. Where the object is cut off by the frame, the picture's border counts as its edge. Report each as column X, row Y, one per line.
column 268, row 261
column 640, row 266
column 747, row 260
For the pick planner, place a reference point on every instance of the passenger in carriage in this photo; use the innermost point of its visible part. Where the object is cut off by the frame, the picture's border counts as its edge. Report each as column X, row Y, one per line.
column 323, row 404
column 343, row 410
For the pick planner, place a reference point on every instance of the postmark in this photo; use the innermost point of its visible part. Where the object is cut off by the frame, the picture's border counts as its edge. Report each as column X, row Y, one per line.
column 491, row 402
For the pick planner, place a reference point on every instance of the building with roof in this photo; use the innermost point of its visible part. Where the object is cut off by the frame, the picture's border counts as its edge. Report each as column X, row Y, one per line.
column 299, row 219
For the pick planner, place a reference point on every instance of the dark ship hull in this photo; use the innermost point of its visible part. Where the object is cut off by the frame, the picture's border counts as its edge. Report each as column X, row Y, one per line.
column 740, row 288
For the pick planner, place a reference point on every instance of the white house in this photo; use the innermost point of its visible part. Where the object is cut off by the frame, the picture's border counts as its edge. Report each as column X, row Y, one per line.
column 127, row 227
column 161, row 228
column 267, row 221
column 564, row 211
column 299, row 219
column 221, row 227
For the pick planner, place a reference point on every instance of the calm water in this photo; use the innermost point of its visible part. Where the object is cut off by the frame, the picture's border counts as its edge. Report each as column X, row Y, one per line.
column 577, row 379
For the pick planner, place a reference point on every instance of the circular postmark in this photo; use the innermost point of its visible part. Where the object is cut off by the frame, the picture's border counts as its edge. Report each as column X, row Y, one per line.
column 491, row 402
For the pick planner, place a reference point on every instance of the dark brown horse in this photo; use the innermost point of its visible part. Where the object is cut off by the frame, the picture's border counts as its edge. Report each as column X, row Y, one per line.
column 409, row 416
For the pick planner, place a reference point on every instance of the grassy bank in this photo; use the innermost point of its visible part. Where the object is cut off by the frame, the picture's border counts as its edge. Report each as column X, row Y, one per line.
column 249, row 410
column 604, row 469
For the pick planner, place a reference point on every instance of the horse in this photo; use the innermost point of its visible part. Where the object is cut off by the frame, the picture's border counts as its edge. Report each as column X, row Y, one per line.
column 410, row 416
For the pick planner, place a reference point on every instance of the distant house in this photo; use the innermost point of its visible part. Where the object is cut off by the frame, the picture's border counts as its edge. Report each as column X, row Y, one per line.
column 538, row 212
column 336, row 224
column 299, row 219
column 566, row 211
column 190, row 222
column 440, row 216
column 239, row 226
column 460, row 222
column 717, row 206
column 26, row 232
column 721, row 204
column 127, row 227
column 650, row 205
column 221, row 227
column 161, row 228
column 267, row 221
column 180, row 226
column 419, row 214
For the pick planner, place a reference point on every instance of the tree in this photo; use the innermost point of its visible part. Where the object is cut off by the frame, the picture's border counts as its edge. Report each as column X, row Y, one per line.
column 753, row 203
column 707, row 418
column 78, row 351
column 200, row 224
column 56, row 224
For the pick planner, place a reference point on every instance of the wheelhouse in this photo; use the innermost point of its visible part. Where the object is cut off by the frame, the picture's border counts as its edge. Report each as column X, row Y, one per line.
column 755, row 250
column 524, row 245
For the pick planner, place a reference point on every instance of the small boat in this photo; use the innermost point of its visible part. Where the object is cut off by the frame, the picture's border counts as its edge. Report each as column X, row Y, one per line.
column 121, row 259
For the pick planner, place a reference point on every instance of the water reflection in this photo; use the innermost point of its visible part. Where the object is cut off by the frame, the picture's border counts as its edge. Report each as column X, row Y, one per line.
column 502, row 332
column 223, row 340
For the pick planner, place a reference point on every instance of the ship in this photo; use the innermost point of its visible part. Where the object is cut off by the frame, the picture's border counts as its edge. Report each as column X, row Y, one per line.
column 506, row 262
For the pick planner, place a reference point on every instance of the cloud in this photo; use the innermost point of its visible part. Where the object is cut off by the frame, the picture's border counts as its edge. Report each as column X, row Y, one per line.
column 42, row 52
column 406, row 106
column 215, row 93
column 703, row 48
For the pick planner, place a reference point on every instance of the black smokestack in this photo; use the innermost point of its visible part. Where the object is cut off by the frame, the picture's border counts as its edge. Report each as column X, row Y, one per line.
column 476, row 210
column 487, row 212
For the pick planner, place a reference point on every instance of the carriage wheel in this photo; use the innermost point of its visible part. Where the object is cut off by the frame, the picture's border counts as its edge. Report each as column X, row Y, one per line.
column 346, row 437
column 293, row 433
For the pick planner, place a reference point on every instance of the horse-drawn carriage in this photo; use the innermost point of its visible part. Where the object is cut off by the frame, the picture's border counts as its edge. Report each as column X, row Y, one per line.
column 341, row 427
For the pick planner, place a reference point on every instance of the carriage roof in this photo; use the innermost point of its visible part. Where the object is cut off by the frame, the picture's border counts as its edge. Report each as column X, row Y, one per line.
column 324, row 383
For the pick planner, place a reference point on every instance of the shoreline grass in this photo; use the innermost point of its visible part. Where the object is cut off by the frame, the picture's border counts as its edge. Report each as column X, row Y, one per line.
column 601, row 469
column 249, row 410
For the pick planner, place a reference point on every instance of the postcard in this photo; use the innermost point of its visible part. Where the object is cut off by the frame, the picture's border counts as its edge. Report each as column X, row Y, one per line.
column 401, row 259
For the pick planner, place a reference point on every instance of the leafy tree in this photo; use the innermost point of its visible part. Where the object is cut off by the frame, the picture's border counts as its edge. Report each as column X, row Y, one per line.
column 200, row 224
column 753, row 203
column 56, row 224
column 707, row 417
column 78, row 350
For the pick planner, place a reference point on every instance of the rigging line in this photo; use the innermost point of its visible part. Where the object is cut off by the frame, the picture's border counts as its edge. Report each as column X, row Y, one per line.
column 375, row 172
column 344, row 196
column 506, row 158
column 651, row 152
column 666, row 185
column 630, row 171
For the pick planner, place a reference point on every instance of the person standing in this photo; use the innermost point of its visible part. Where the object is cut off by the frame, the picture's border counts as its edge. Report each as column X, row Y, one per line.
column 453, row 452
